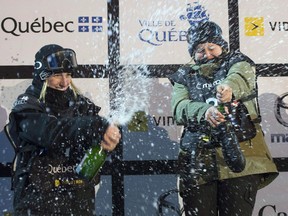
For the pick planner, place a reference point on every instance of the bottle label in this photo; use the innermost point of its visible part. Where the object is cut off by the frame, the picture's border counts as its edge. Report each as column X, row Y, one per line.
column 80, row 165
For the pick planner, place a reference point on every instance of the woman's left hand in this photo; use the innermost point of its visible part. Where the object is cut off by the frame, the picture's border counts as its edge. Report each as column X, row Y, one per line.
column 214, row 116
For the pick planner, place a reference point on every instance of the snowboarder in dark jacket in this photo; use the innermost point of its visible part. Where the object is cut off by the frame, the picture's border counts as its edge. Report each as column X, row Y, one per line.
column 54, row 125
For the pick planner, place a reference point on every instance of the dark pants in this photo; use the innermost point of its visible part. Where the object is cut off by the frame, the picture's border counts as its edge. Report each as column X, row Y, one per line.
column 224, row 198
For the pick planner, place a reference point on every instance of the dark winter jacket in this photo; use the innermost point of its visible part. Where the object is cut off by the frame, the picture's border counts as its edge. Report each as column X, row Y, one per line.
column 194, row 87
column 54, row 136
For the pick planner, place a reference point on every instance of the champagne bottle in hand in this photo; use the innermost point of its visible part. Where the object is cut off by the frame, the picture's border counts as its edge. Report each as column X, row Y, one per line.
column 231, row 150
column 92, row 161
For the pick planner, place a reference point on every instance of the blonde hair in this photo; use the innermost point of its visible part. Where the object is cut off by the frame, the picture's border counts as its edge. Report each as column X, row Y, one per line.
column 75, row 90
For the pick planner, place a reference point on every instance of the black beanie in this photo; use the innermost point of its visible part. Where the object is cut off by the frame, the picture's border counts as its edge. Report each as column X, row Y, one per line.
column 39, row 65
column 205, row 32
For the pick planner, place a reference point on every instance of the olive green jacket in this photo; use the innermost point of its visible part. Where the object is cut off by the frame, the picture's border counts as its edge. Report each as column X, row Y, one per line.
column 241, row 78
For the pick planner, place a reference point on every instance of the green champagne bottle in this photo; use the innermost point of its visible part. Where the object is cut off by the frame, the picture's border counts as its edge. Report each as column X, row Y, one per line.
column 91, row 163
column 221, row 108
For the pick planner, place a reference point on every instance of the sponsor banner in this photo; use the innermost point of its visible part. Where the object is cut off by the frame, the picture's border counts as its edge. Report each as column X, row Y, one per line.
column 160, row 108
column 272, row 200
column 263, row 29
column 273, row 102
column 152, row 134
column 155, row 32
column 80, row 25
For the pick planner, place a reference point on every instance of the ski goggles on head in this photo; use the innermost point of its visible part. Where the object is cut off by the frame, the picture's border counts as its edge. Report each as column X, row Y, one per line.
column 62, row 61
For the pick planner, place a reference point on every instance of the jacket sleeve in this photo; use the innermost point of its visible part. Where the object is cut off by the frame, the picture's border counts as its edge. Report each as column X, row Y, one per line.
column 241, row 78
column 184, row 110
column 46, row 130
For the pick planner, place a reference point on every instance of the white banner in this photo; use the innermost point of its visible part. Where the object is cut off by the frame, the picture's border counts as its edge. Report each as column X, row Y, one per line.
column 154, row 32
column 274, row 115
column 272, row 200
column 263, row 28
column 26, row 26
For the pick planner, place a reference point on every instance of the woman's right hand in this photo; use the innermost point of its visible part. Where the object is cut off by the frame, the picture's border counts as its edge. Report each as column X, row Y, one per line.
column 111, row 138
